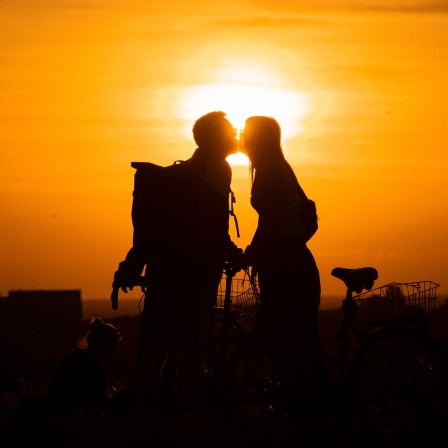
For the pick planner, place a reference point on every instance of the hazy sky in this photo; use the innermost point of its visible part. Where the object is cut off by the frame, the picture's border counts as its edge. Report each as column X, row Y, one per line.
column 359, row 87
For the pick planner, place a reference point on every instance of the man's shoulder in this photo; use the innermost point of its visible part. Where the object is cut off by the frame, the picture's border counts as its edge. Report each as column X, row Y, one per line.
column 220, row 165
column 216, row 162
column 209, row 168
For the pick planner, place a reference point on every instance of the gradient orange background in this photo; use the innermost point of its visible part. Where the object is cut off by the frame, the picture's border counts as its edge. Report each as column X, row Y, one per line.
column 359, row 87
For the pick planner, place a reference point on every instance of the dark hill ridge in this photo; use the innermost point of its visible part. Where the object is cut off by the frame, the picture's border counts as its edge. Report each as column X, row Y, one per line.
column 130, row 306
column 103, row 308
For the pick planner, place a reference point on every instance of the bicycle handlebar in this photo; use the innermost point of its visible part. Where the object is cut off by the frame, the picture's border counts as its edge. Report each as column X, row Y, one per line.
column 230, row 269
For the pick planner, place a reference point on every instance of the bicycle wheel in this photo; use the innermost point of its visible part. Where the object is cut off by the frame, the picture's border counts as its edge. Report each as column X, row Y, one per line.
column 255, row 391
column 399, row 385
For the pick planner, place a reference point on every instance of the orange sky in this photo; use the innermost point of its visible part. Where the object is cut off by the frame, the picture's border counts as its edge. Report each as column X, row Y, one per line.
column 87, row 87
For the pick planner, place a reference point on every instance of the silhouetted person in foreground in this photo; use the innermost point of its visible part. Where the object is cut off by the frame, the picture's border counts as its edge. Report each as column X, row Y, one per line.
column 288, row 275
column 79, row 394
column 183, row 275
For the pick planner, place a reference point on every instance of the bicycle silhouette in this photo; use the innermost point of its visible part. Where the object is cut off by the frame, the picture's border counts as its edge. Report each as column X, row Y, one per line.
column 390, row 377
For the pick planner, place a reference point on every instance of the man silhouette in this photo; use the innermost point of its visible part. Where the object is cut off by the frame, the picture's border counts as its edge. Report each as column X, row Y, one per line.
column 183, row 278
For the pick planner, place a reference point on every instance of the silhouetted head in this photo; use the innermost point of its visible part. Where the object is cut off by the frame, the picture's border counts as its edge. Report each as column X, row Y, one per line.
column 101, row 338
column 261, row 140
column 215, row 135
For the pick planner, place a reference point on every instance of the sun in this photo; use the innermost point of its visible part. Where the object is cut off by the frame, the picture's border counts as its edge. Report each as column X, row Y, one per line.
column 242, row 92
column 238, row 159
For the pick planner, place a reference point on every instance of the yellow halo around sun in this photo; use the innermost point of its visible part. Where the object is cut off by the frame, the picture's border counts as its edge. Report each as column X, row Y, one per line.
column 242, row 93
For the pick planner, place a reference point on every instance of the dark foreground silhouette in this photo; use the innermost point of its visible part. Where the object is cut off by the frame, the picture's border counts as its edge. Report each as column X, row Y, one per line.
column 204, row 430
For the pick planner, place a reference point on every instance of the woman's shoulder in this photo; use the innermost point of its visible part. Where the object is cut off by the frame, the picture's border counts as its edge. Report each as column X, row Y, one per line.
column 275, row 165
column 76, row 356
column 72, row 354
column 277, row 171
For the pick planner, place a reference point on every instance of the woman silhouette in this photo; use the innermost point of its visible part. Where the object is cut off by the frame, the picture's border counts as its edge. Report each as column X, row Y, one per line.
column 287, row 272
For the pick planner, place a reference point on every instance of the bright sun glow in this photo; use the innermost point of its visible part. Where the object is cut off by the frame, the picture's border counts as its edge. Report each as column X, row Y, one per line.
column 242, row 93
column 238, row 159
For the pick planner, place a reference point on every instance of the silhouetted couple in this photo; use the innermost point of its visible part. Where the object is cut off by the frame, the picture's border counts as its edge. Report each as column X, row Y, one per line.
column 182, row 280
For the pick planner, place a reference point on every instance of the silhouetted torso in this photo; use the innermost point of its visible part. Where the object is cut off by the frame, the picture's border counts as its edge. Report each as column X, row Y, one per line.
column 79, row 381
column 276, row 199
